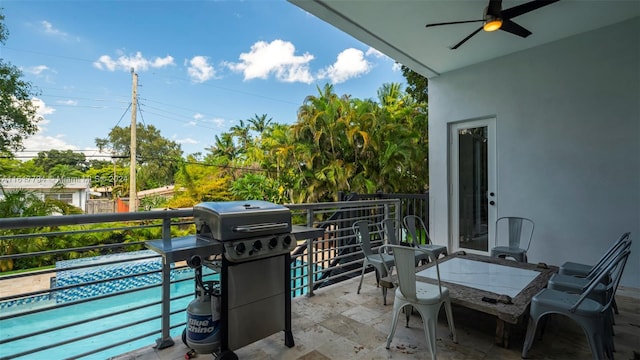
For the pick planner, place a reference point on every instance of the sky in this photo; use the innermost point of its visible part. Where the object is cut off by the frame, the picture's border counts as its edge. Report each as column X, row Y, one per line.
column 202, row 66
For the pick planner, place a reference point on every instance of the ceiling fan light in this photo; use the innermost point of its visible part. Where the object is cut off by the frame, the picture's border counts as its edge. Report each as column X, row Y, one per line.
column 492, row 24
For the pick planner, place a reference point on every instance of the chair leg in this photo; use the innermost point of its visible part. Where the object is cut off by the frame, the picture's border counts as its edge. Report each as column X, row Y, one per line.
column 542, row 327
column 384, row 295
column 430, row 333
column 364, row 266
column 408, row 310
column 596, row 344
column 531, row 333
column 449, row 313
column 394, row 323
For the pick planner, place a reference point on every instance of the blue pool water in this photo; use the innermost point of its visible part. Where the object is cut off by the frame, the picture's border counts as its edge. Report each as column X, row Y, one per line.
column 29, row 324
column 47, row 319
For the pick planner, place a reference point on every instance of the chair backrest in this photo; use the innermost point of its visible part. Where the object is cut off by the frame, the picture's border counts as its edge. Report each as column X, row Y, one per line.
column 612, row 269
column 363, row 235
column 516, row 232
column 391, row 228
column 414, row 224
column 617, row 246
column 404, row 257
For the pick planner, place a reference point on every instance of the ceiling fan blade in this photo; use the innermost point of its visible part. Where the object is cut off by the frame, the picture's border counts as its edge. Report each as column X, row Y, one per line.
column 525, row 8
column 513, row 28
column 453, row 22
column 465, row 39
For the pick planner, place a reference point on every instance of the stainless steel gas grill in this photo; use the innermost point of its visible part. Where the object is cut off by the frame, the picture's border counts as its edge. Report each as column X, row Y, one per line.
column 249, row 244
column 249, row 230
column 255, row 274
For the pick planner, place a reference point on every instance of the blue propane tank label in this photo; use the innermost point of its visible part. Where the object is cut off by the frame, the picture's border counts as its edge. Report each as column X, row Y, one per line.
column 201, row 327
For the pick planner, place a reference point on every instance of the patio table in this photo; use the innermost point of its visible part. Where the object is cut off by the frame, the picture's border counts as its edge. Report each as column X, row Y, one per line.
column 471, row 278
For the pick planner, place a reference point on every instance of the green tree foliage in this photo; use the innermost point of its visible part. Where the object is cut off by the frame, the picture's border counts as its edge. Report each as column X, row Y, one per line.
column 197, row 182
column 417, row 85
column 24, row 203
column 258, row 187
column 17, row 168
column 105, row 177
column 61, row 171
column 73, row 160
column 337, row 144
column 158, row 158
column 18, row 117
column 346, row 144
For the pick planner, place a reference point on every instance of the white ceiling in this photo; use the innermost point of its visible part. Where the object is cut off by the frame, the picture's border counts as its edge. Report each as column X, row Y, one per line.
column 397, row 27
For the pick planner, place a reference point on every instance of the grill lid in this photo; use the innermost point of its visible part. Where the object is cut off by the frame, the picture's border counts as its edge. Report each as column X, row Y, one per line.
column 229, row 220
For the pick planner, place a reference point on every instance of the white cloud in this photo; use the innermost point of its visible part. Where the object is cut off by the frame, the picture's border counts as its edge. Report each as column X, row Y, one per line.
column 37, row 143
column 41, row 142
column 36, row 70
column 137, row 62
column 187, row 140
column 42, row 108
column 67, row 102
column 375, row 53
column 199, row 69
column 396, row 66
column 219, row 122
column 49, row 29
column 276, row 58
column 198, row 116
column 349, row 64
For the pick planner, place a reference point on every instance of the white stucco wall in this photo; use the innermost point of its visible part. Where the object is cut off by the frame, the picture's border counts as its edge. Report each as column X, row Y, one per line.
column 568, row 141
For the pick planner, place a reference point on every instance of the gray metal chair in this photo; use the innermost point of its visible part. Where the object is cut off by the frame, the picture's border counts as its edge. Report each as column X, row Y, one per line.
column 392, row 228
column 581, row 273
column 415, row 227
column 591, row 315
column 601, row 292
column 425, row 297
column 382, row 263
column 513, row 238
column 585, row 270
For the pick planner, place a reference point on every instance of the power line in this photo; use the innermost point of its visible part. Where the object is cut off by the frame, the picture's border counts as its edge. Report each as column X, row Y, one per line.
column 163, row 76
column 123, row 114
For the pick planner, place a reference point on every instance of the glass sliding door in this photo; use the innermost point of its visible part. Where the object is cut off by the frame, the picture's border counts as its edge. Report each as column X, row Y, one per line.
column 473, row 191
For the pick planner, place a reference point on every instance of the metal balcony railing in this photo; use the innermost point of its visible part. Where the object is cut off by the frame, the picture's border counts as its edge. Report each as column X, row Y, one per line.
column 88, row 287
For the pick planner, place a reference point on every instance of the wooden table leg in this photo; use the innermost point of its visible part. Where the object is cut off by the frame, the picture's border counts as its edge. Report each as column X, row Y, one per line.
column 502, row 333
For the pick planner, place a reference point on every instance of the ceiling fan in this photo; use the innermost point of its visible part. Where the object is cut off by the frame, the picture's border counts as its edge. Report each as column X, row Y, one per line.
column 497, row 19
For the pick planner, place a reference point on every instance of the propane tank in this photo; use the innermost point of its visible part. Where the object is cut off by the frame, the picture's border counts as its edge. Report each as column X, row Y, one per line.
column 203, row 318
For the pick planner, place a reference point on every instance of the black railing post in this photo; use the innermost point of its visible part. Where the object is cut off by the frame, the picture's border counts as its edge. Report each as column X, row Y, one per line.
column 166, row 341
column 310, row 252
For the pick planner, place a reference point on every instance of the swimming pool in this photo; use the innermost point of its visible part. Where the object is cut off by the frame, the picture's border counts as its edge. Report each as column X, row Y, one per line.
column 129, row 324
column 33, row 323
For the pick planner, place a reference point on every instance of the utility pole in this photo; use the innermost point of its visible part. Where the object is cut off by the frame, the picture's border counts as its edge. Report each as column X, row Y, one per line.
column 133, row 195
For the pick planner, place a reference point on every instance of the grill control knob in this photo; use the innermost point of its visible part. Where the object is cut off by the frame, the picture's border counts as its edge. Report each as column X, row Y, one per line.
column 257, row 245
column 286, row 241
column 240, row 248
column 273, row 242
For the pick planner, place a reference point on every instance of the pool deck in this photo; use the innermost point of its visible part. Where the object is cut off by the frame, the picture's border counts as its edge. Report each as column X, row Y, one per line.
column 26, row 284
column 339, row 324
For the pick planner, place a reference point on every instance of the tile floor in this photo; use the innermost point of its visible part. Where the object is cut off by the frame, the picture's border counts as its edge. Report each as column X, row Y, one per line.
column 339, row 324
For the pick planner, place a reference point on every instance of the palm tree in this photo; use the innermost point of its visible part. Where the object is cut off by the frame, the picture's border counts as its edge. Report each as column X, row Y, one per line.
column 224, row 147
column 241, row 131
column 322, row 125
column 259, row 123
